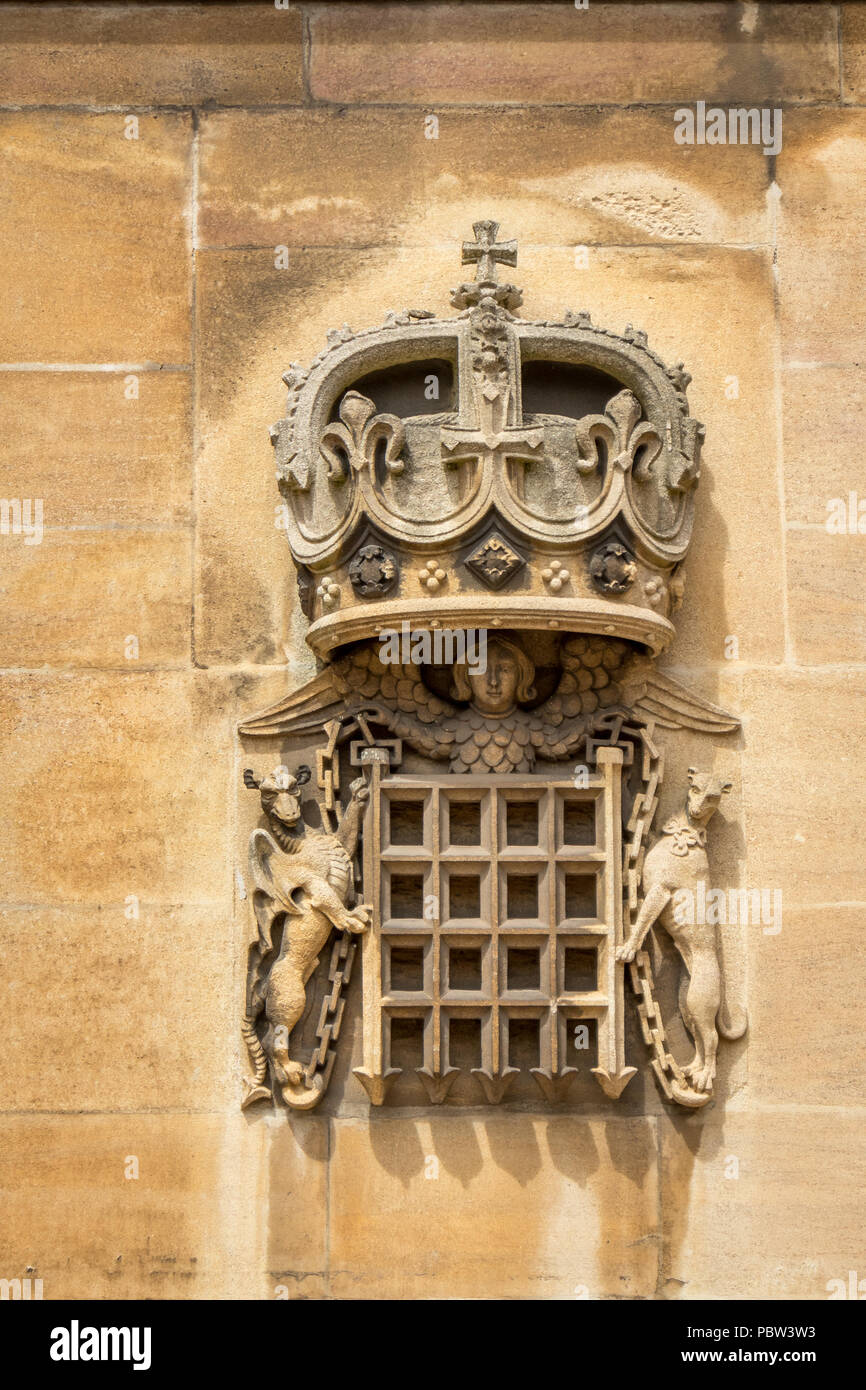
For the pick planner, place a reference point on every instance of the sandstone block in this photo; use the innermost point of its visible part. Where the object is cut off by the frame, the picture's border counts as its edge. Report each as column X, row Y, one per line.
column 514, row 1206
column 555, row 53
column 96, row 228
column 178, row 55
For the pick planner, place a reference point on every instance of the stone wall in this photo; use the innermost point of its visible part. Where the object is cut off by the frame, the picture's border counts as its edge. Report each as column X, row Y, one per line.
column 145, row 325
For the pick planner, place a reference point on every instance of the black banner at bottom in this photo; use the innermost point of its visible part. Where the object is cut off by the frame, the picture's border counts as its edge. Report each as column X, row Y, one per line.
column 59, row 1340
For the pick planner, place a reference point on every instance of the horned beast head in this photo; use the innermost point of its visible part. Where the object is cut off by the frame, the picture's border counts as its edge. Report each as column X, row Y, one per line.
column 705, row 792
column 280, row 792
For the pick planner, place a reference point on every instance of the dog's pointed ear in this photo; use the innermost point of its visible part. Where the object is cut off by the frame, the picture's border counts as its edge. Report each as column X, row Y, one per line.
column 727, row 786
column 303, row 775
column 692, row 774
column 249, row 780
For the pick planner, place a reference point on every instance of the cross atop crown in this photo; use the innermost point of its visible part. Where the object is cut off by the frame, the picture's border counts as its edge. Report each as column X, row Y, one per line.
column 486, row 251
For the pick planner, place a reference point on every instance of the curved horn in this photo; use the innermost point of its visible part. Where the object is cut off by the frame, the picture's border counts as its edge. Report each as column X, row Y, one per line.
column 303, row 775
column 250, row 781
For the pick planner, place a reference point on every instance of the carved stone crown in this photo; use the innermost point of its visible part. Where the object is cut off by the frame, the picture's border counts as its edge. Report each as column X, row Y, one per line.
column 488, row 470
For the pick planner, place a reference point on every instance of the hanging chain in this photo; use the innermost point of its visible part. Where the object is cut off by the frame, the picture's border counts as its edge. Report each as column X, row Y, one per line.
column 667, row 1070
column 321, row 1064
column 664, row 1064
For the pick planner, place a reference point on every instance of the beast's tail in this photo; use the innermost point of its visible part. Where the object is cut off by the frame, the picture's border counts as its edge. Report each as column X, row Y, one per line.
column 255, row 1049
column 732, row 1024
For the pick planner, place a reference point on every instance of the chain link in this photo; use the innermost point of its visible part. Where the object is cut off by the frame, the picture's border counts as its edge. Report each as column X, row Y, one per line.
column 664, row 1065
column 332, row 1008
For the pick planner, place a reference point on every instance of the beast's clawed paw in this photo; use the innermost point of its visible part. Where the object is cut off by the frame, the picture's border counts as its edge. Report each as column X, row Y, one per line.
column 288, row 1073
column 700, row 1077
column 359, row 790
column 626, row 953
column 359, row 919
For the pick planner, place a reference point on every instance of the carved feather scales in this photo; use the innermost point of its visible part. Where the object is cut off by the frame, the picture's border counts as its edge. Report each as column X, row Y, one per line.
column 598, row 677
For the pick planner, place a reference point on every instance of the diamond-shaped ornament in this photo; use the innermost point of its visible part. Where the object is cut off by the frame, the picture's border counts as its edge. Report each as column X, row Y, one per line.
column 495, row 561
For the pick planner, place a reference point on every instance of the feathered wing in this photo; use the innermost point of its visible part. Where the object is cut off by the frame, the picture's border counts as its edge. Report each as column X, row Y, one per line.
column 663, row 701
column 588, row 687
column 393, row 693
column 599, row 676
column 303, row 711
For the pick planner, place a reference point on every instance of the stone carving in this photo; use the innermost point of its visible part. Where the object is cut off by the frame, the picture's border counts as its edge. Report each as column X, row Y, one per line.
column 306, row 591
column 508, row 801
column 303, row 880
column 495, row 562
column 432, row 576
column 555, row 576
column 485, row 253
column 345, row 466
column 491, row 729
column 623, row 438
column 372, row 571
column 329, row 593
column 676, row 865
column 613, row 568
column 352, row 443
column 654, row 591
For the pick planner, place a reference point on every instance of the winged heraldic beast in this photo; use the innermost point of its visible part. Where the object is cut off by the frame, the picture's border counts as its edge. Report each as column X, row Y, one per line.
column 483, row 829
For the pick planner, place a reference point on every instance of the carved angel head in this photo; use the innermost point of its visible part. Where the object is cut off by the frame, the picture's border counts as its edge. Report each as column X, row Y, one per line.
column 505, row 681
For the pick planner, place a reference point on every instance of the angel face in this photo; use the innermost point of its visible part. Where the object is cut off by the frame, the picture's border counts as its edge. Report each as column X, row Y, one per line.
column 494, row 691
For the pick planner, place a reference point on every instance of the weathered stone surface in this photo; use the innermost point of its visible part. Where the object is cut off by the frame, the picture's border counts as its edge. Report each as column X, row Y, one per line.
column 824, row 420
column 308, row 178
column 800, row 778
column 77, row 599
column 557, row 177
column 110, row 1011
column 243, row 594
column 854, row 52
column 822, row 259
column 127, row 774
column 825, row 596
column 95, row 455
column 88, row 1231
column 800, row 1021
column 513, row 1205
column 776, row 1230
column 164, row 54
column 96, row 229
column 298, row 1152
column 556, row 53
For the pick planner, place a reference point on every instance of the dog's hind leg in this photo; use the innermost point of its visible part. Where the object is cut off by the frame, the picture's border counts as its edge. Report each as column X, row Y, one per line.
column 701, row 1006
